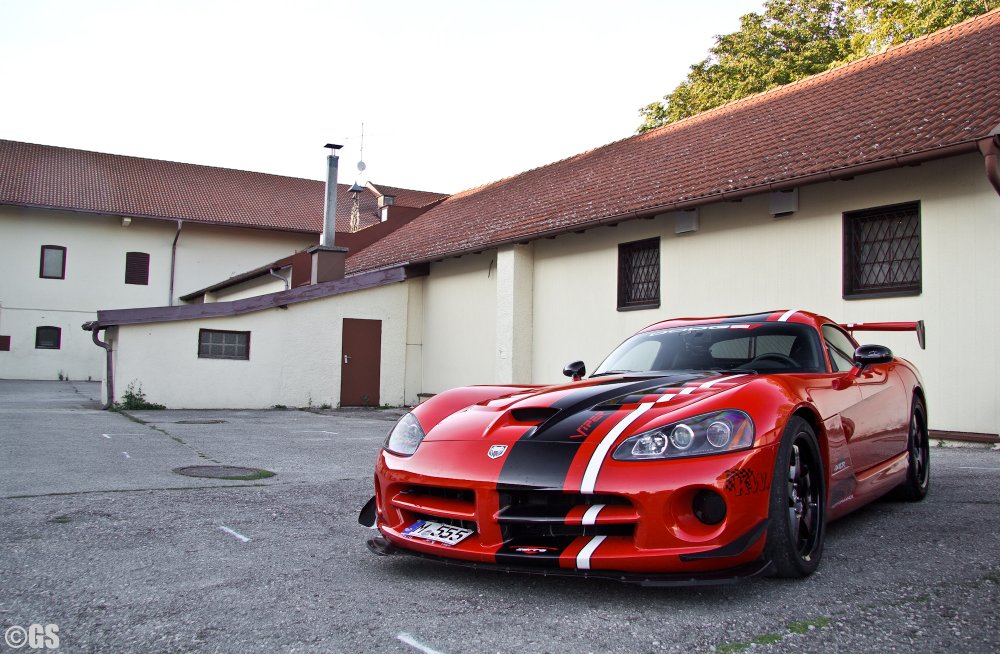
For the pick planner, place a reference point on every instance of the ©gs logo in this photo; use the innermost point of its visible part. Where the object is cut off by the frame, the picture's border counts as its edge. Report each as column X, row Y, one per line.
column 35, row 636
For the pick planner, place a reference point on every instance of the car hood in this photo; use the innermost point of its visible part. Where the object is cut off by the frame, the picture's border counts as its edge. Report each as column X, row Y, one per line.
column 572, row 412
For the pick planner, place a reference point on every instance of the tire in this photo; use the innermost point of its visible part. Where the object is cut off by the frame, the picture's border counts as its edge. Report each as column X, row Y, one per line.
column 797, row 515
column 918, row 473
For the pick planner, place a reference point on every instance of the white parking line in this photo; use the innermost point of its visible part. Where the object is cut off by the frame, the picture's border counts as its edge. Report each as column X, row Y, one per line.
column 234, row 533
column 976, row 468
column 108, row 436
column 126, row 455
column 412, row 642
column 315, row 431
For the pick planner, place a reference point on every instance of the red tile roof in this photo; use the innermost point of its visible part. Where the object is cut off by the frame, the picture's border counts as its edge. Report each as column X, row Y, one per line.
column 923, row 99
column 76, row 180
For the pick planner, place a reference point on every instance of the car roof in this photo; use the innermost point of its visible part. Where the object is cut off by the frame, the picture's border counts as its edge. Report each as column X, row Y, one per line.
column 778, row 315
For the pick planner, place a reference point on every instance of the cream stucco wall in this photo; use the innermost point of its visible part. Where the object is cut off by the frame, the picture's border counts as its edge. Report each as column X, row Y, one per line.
column 459, row 323
column 295, row 355
column 95, row 277
column 743, row 260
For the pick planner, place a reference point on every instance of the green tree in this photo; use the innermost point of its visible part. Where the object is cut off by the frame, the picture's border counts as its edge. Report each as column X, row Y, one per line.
column 878, row 24
column 794, row 39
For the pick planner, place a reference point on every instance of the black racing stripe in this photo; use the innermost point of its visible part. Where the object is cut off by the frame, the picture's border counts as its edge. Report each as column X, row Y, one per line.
column 757, row 317
column 591, row 396
column 544, row 464
column 543, row 456
column 549, row 558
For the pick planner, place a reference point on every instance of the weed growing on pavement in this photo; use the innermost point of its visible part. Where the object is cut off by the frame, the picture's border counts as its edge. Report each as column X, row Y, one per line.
column 133, row 399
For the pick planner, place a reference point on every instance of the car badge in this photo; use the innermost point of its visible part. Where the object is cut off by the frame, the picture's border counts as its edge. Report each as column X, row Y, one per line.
column 496, row 451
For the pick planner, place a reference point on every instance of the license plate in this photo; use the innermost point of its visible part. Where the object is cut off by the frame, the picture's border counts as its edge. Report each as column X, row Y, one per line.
column 435, row 531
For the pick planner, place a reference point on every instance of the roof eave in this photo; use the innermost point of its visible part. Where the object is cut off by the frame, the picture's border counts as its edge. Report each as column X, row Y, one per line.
column 834, row 174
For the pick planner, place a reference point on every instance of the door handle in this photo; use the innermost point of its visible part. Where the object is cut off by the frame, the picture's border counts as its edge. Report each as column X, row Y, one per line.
column 347, row 359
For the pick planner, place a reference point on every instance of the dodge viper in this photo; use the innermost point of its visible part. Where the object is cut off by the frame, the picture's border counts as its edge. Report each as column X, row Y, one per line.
column 702, row 450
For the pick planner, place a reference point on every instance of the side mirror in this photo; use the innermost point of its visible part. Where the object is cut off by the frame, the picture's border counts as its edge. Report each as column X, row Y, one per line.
column 867, row 355
column 576, row 370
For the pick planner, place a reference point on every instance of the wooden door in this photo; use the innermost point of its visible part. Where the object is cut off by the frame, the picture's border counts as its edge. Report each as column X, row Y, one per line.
column 360, row 364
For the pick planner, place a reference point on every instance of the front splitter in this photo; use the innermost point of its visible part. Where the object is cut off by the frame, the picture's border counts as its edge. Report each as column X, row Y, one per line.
column 382, row 547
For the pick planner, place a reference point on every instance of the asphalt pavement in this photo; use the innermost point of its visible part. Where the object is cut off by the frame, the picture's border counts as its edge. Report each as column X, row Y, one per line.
column 100, row 537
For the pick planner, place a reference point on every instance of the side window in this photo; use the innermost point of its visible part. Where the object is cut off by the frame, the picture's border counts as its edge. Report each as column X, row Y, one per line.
column 639, row 275
column 137, row 268
column 48, row 338
column 53, row 262
column 840, row 348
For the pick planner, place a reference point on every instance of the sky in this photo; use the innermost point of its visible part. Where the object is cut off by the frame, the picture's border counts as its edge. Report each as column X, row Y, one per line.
column 452, row 93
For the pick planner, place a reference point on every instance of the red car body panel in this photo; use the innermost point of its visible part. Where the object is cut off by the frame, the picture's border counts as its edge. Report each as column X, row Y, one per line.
column 554, row 496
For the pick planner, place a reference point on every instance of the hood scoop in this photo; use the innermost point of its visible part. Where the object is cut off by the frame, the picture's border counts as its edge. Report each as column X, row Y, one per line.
column 535, row 415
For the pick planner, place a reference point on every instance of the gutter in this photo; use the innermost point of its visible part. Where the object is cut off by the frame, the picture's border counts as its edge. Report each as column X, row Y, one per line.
column 990, row 149
column 173, row 262
column 93, row 327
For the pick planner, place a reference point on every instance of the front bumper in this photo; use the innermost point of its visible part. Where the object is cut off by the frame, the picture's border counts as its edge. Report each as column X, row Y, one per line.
column 646, row 528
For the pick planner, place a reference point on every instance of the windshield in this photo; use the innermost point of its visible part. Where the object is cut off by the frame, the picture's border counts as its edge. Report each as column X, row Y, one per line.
column 762, row 346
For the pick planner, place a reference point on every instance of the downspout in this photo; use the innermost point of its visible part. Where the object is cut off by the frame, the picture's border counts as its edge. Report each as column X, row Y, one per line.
column 274, row 273
column 990, row 147
column 93, row 328
column 173, row 262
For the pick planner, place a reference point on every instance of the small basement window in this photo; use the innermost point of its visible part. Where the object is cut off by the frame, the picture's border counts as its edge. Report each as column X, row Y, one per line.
column 219, row 344
column 137, row 268
column 639, row 275
column 48, row 338
column 53, row 262
column 882, row 251
column 4, row 343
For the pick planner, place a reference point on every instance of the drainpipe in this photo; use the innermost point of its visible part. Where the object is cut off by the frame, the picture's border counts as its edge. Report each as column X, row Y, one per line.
column 274, row 273
column 93, row 328
column 173, row 262
column 990, row 147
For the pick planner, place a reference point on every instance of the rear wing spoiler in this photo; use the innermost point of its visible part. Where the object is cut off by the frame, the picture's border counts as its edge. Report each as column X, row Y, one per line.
column 890, row 327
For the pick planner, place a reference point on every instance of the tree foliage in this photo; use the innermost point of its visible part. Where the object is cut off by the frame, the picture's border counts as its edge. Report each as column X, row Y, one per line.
column 794, row 39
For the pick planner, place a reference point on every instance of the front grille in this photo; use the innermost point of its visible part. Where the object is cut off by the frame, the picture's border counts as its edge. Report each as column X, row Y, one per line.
column 534, row 514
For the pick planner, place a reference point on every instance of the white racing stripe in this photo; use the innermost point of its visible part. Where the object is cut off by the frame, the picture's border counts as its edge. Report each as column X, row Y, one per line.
column 597, row 459
column 788, row 314
column 583, row 558
column 590, row 517
column 710, row 384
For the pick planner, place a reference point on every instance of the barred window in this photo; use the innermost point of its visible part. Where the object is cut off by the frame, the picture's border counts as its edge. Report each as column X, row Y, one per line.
column 219, row 344
column 639, row 275
column 48, row 338
column 137, row 268
column 882, row 251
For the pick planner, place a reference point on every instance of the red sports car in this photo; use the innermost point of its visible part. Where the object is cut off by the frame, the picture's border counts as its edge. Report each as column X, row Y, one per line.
column 701, row 450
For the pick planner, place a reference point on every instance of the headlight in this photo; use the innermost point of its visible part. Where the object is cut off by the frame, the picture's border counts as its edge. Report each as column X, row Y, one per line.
column 711, row 433
column 405, row 436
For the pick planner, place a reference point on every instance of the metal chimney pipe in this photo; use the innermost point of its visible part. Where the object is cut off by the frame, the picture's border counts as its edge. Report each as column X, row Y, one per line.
column 330, row 206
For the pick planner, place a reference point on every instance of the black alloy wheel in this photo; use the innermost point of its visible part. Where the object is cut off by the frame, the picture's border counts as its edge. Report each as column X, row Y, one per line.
column 797, row 520
column 918, row 474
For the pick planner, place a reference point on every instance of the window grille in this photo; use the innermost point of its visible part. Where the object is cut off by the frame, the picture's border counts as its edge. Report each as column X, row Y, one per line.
column 882, row 251
column 639, row 275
